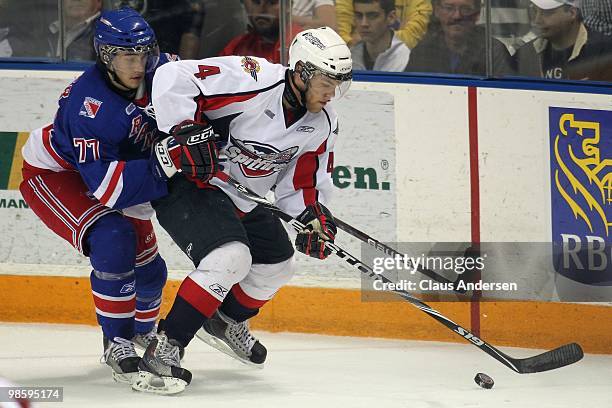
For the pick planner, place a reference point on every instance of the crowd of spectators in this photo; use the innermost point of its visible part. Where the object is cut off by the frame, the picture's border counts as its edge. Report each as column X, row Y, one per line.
column 552, row 39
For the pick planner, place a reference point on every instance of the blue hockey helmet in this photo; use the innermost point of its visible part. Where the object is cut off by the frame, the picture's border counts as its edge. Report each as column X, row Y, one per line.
column 124, row 30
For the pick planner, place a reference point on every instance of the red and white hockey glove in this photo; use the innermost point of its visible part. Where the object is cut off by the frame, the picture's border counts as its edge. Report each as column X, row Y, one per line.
column 320, row 229
column 166, row 159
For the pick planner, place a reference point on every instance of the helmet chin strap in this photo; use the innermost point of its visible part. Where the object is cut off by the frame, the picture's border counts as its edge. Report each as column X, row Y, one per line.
column 295, row 101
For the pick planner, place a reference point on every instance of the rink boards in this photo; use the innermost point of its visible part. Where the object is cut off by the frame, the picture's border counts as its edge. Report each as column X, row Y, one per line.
column 414, row 162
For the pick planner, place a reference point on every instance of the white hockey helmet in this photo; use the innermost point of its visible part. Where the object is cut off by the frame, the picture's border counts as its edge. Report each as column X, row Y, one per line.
column 323, row 51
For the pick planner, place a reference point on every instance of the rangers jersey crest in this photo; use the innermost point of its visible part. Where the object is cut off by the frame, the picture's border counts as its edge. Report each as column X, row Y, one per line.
column 90, row 107
column 110, row 147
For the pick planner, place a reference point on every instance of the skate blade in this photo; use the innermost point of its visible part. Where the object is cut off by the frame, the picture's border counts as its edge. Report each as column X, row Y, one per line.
column 214, row 342
column 125, row 378
column 150, row 383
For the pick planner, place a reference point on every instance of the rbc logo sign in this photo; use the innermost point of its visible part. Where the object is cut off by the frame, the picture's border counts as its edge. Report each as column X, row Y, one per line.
column 581, row 188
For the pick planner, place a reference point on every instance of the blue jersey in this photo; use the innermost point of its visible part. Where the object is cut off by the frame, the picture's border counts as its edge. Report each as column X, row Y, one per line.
column 108, row 138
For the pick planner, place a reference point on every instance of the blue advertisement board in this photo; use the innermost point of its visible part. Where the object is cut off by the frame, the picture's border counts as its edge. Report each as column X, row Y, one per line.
column 581, row 188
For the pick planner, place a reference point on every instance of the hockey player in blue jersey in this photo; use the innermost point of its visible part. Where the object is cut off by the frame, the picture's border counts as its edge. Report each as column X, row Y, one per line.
column 90, row 176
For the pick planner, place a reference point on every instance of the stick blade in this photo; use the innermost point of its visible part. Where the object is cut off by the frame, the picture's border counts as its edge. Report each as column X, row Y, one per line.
column 559, row 357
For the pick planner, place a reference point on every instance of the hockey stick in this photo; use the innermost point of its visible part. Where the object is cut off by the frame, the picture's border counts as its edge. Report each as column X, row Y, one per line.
column 362, row 236
column 549, row 360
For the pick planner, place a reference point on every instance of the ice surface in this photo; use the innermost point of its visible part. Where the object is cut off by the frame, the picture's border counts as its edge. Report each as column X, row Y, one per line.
column 303, row 371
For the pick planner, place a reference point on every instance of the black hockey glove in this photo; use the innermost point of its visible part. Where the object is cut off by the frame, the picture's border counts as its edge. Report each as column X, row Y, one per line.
column 320, row 229
column 199, row 154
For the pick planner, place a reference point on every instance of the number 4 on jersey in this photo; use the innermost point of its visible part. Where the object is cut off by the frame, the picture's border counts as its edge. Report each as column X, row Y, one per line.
column 206, row 71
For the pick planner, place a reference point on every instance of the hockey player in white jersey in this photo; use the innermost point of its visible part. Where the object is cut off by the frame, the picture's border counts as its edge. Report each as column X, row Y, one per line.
column 276, row 129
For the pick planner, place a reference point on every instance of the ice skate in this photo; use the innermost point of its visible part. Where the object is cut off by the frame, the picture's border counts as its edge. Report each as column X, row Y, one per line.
column 121, row 356
column 142, row 340
column 160, row 368
column 233, row 339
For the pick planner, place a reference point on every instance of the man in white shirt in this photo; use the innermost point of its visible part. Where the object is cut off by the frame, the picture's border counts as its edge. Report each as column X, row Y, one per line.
column 379, row 48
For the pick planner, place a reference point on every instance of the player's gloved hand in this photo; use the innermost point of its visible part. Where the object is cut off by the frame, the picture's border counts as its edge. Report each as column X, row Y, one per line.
column 320, row 229
column 199, row 154
column 166, row 158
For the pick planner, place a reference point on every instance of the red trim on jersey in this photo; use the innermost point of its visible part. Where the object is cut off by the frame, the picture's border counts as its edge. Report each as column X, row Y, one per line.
column 217, row 102
column 112, row 185
column 28, row 171
column 245, row 300
column 115, row 306
column 239, row 213
column 197, row 297
column 305, row 177
column 60, row 200
column 330, row 162
column 46, row 138
column 142, row 102
column 199, row 113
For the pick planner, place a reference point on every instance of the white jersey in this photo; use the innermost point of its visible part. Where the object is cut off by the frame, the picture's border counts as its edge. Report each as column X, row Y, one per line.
column 242, row 98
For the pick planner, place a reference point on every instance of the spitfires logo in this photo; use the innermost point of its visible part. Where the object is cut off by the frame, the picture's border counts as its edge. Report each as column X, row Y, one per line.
column 90, row 107
column 258, row 159
column 581, row 188
column 251, row 67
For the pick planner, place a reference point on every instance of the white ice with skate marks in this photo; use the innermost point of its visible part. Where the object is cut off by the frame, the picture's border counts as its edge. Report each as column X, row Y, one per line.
column 303, row 371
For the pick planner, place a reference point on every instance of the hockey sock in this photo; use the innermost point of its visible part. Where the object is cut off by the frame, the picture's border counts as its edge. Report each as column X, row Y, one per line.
column 112, row 250
column 239, row 306
column 182, row 322
column 150, row 280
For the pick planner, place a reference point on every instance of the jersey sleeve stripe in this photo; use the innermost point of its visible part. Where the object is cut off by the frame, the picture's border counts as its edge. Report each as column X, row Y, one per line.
column 46, row 137
column 218, row 101
column 109, row 190
column 305, row 177
column 253, row 92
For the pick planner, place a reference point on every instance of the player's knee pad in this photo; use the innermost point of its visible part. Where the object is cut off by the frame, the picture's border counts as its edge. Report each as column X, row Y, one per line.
column 249, row 295
column 150, row 281
column 264, row 280
column 111, row 244
column 226, row 265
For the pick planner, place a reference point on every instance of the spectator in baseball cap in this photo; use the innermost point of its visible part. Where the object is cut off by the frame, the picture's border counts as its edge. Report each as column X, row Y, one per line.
column 564, row 48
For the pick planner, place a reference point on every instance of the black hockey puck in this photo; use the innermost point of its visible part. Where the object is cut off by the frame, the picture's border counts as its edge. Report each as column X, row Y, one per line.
column 484, row 381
